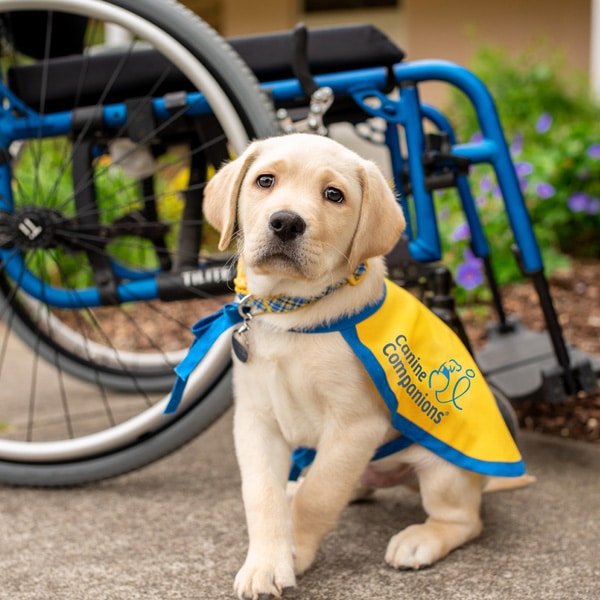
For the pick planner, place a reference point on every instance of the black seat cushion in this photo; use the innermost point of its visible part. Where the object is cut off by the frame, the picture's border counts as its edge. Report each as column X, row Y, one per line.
column 83, row 79
column 329, row 49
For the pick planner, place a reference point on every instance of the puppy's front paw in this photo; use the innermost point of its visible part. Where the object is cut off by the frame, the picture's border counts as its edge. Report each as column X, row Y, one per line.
column 415, row 547
column 264, row 580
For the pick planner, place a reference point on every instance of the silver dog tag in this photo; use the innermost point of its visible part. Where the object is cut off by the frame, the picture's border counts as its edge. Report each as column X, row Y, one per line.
column 239, row 343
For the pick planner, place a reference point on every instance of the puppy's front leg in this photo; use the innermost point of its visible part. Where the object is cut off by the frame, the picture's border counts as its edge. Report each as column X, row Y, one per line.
column 342, row 456
column 263, row 457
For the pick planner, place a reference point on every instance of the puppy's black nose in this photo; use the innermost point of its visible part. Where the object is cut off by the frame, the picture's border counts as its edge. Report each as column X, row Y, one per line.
column 287, row 225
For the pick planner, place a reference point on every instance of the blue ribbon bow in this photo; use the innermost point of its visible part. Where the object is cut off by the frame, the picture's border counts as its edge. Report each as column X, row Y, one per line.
column 206, row 331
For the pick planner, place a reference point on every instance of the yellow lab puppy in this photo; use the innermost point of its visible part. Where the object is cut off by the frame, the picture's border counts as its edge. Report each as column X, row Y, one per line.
column 306, row 214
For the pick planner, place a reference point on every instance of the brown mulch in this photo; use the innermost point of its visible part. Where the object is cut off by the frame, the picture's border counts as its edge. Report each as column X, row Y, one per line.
column 576, row 296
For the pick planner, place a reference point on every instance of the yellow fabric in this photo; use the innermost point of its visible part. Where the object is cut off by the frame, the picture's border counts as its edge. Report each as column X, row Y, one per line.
column 240, row 282
column 435, row 392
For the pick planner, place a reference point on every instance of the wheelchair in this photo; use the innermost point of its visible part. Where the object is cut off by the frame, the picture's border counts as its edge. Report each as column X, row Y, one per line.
column 114, row 115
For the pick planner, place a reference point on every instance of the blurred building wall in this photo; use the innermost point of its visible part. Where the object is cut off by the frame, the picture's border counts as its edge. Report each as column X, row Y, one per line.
column 451, row 30
column 454, row 30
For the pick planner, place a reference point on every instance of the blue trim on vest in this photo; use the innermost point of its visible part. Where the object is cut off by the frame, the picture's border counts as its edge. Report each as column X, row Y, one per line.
column 347, row 322
column 421, row 437
column 207, row 331
column 396, row 445
column 373, row 367
column 303, row 457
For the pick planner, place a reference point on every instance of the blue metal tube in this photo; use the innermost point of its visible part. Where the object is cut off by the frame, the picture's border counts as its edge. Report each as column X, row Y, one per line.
column 129, row 291
column 35, row 125
column 392, row 140
column 425, row 246
column 478, row 240
column 485, row 108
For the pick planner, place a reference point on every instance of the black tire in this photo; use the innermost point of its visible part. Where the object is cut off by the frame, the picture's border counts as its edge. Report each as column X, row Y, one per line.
column 149, row 448
column 111, row 365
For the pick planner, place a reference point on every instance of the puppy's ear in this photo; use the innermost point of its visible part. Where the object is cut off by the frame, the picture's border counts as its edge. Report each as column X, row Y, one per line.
column 222, row 192
column 381, row 220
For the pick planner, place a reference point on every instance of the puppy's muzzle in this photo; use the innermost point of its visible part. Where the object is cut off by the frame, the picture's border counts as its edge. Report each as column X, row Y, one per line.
column 287, row 225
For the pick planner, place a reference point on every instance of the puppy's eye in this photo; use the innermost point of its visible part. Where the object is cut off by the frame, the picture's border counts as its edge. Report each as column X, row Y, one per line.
column 265, row 181
column 333, row 195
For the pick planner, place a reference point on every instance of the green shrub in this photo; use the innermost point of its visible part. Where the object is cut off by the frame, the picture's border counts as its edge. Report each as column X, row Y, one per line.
column 553, row 129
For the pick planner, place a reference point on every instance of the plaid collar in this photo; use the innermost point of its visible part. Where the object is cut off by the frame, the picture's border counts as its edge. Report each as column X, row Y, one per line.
column 253, row 305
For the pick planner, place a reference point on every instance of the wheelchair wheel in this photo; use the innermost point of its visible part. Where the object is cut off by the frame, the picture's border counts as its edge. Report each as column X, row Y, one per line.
column 115, row 113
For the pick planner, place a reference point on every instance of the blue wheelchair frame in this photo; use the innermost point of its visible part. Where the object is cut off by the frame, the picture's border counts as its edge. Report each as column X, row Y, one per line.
column 364, row 85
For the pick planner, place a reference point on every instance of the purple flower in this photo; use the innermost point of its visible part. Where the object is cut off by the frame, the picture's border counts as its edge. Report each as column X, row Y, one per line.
column 471, row 258
column 461, row 232
column 578, row 202
column 543, row 123
column 477, row 137
column 523, row 169
column 480, row 201
column 594, row 151
column 469, row 275
column 544, row 190
column 517, row 144
column 485, row 184
column 593, row 207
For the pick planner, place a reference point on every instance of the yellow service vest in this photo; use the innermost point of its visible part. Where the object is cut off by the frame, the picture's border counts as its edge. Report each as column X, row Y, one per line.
column 436, row 395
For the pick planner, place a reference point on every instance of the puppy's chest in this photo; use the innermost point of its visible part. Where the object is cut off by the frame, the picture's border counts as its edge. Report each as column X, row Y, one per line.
column 302, row 377
column 298, row 360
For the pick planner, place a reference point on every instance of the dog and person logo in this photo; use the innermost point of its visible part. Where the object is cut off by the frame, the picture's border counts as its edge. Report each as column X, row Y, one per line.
column 436, row 394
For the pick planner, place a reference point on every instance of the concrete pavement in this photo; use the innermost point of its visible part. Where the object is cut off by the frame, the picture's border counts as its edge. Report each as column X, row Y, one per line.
column 175, row 530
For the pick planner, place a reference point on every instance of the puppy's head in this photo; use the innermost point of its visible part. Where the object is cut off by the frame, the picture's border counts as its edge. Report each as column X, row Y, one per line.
column 304, row 206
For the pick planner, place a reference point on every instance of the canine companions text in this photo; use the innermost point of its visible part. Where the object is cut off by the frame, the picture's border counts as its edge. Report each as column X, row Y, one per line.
column 334, row 358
